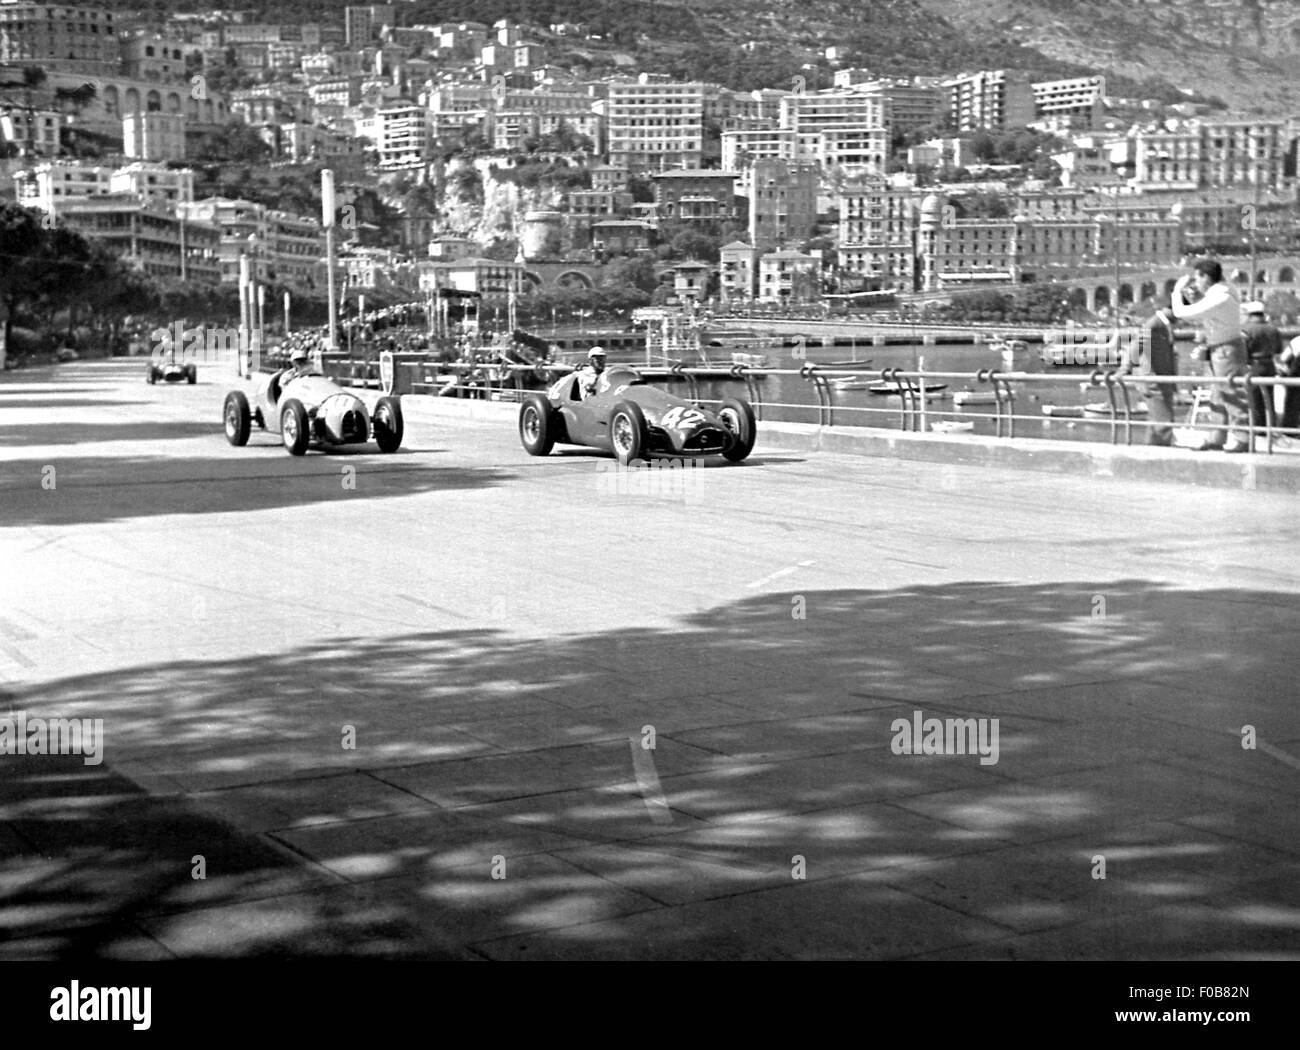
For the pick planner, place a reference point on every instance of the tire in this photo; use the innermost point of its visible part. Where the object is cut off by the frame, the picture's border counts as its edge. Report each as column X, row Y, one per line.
column 738, row 417
column 627, row 431
column 192, row 374
column 294, row 429
column 387, row 423
column 537, row 425
column 237, row 418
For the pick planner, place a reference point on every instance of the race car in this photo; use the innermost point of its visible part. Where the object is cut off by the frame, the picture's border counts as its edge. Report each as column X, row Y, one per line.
column 311, row 409
column 169, row 370
column 633, row 420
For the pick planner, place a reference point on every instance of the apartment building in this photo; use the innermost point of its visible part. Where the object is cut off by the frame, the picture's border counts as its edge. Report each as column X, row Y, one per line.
column 154, row 136
column 281, row 248
column 35, row 131
column 47, row 185
column 989, row 99
column 402, row 137
column 741, row 146
column 695, row 194
column 362, row 24
column 655, row 126
column 738, row 272
column 906, row 104
column 782, row 201
column 1168, row 159
column 1076, row 101
column 789, row 277
column 154, row 182
column 811, row 114
column 58, row 37
column 154, row 57
column 876, row 239
column 148, row 235
column 491, row 278
column 1211, row 153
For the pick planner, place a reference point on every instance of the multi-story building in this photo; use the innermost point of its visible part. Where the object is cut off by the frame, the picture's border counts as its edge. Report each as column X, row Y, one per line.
column 283, row 248
column 906, row 104
column 154, row 136
column 154, row 182
column 47, row 185
column 789, row 277
column 741, row 146
column 299, row 141
column 491, row 278
column 876, row 238
column 655, row 126
column 694, row 194
column 738, row 272
column 810, row 114
column 148, row 236
column 250, row 33
column 1243, row 151
column 1078, row 99
column 58, row 37
column 782, row 199
column 402, row 136
column 989, row 99
column 361, row 24
column 1168, row 159
column 853, row 151
column 154, row 57
column 34, row 132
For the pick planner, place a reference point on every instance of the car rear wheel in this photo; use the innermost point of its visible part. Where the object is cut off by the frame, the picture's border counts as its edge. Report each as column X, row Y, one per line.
column 627, row 432
column 294, row 430
column 237, row 418
column 738, row 417
column 536, row 426
column 387, row 421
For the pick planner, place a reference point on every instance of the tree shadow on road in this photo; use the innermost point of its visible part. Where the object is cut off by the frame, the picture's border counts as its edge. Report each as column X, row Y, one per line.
column 726, row 788
column 96, row 489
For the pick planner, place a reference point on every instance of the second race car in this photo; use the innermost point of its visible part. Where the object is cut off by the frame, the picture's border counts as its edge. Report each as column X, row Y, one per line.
column 633, row 420
column 311, row 409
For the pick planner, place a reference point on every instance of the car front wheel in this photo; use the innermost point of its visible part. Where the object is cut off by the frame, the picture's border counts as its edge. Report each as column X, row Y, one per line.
column 388, row 425
column 294, row 431
column 237, row 418
column 627, row 432
column 738, row 417
column 536, row 433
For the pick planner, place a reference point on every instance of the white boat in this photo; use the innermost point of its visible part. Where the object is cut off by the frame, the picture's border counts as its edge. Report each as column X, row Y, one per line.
column 951, row 426
column 850, row 382
column 749, row 360
column 1063, row 411
column 1102, row 408
column 974, row 397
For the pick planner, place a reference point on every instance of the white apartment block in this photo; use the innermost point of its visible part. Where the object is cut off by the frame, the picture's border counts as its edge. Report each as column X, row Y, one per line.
column 1078, row 98
column 989, row 99
column 789, row 276
column 1168, row 160
column 1246, row 151
column 655, row 126
column 854, row 151
column 35, row 131
column 808, row 115
column 154, row 136
column 46, row 186
column 152, row 182
column 742, row 146
column 782, row 199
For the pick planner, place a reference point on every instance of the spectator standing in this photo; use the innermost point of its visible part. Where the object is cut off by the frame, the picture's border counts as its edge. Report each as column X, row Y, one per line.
column 1218, row 311
column 1263, row 348
column 1153, row 355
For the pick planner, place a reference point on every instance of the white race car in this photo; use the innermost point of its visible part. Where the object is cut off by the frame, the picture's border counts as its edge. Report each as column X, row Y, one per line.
column 311, row 409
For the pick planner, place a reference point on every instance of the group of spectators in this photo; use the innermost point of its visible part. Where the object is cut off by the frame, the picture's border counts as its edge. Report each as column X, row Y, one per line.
column 1233, row 339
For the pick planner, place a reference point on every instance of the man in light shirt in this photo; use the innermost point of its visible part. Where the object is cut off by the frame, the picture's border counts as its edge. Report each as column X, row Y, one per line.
column 1218, row 311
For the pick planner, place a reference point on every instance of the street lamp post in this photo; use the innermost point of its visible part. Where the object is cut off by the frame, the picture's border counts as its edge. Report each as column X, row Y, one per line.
column 327, row 219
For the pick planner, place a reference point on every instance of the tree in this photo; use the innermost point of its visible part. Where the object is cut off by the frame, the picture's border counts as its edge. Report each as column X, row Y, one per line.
column 636, row 272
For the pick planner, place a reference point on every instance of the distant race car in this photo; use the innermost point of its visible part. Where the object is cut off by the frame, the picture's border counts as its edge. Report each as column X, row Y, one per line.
column 312, row 409
column 633, row 420
column 172, row 371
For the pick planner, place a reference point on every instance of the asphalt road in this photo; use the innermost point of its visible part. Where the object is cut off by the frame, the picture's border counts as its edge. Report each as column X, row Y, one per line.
column 365, row 679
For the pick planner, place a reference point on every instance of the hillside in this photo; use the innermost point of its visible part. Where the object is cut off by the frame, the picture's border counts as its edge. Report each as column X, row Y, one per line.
column 1240, row 50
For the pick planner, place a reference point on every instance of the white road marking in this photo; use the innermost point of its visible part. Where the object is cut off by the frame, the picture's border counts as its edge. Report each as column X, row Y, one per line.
column 779, row 573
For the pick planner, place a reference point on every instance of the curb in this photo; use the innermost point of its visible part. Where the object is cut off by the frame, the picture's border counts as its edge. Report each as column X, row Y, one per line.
column 1248, row 472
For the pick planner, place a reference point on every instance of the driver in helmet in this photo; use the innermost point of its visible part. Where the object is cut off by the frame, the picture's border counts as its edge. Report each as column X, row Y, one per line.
column 589, row 377
column 299, row 365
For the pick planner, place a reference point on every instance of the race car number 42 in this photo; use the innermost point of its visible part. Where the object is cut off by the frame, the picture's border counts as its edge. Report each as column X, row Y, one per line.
column 680, row 417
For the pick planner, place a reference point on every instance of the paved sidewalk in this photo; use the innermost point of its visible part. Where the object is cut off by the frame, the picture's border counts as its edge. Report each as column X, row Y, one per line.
column 481, row 706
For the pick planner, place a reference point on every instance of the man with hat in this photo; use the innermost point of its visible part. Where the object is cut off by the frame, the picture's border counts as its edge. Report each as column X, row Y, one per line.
column 1263, row 349
column 1153, row 355
column 589, row 377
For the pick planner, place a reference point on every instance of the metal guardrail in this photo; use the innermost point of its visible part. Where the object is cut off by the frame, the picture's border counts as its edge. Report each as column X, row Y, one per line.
column 501, row 381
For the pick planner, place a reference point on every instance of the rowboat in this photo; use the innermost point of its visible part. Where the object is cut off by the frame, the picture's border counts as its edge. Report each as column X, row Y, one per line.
column 1063, row 411
column 974, row 397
